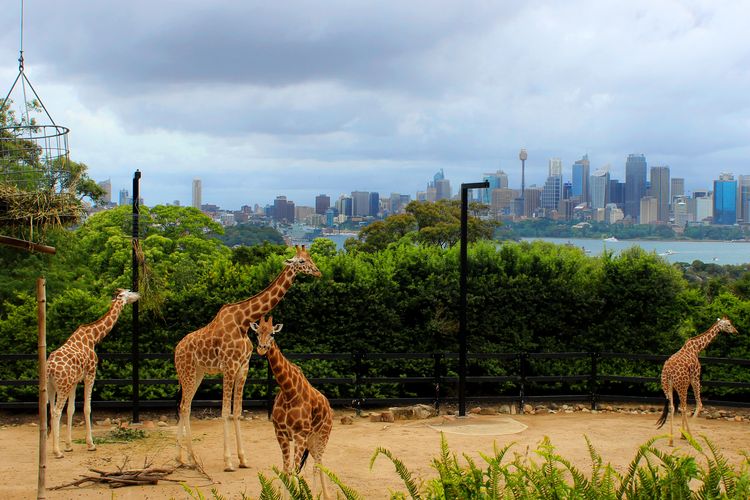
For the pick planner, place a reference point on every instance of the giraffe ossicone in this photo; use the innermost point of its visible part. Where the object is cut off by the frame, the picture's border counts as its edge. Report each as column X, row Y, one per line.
column 683, row 370
column 301, row 414
column 74, row 361
column 223, row 346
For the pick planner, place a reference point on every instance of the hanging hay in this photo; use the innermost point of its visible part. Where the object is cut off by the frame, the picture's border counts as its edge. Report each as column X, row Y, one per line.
column 37, row 181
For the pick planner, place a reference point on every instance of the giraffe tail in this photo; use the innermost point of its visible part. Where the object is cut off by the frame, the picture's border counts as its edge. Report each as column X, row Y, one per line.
column 664, row 414
column 50, row 402
column 303, row 460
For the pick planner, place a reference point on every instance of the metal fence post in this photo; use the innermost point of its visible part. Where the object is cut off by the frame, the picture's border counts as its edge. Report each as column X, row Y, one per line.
column 593, row 382
column 437, row 376
column 522, row 390
column 358, row 382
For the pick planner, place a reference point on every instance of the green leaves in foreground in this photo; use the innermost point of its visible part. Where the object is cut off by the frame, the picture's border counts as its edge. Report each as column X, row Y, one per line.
column 652, row 474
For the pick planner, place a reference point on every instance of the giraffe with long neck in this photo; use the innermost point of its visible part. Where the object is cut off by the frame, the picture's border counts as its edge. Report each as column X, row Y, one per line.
column 222, row 346
column 74, row 361
column 682, row 370
column 301, row 414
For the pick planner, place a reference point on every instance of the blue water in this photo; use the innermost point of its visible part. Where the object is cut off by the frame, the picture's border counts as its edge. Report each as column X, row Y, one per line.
column 716, row 252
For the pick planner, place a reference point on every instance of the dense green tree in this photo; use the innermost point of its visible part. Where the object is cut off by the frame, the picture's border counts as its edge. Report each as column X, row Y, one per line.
column 250, row 235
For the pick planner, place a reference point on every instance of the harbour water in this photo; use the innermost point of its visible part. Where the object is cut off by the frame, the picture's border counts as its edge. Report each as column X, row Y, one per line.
column 716, row 252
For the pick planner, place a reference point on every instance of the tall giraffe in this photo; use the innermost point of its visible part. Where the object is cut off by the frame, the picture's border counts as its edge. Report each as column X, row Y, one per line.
column 682, row 370
column 74, row 361
column 301, row 414
column 222, row 346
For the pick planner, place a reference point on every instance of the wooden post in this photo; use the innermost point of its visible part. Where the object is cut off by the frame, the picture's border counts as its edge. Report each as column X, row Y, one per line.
column 42, row 351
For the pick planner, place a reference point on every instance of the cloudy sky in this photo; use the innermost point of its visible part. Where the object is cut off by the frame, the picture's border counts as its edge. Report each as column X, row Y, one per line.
column 260, row 99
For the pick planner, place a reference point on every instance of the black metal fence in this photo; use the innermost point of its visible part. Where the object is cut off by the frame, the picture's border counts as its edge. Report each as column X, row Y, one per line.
column 432, row 378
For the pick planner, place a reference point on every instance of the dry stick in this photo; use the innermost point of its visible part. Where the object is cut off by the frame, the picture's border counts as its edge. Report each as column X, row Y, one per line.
column 41, row 292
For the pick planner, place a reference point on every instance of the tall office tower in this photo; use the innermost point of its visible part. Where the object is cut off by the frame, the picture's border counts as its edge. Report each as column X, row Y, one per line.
column 197, row 188
column 443, row 189
column 439, row 176
column 599, row 187
column 635, row 184
column 344, row 205
column 502, row 201
column 552, row 191
column 581, row 174
column 725, row 200
column 532, row 200
column 660, row 190
column 123, row 198
column 649, row 209
column 676, row 187
column 617, row 192
column 680, row 210
column 322, row 203
column 283, row 210
column 394, row 203
column 497, row 180
column 360, row 203
column 107, row 188
column 374, row 204
column 743, row 198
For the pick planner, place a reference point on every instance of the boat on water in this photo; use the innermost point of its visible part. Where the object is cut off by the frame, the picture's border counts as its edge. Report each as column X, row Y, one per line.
column 611, row 239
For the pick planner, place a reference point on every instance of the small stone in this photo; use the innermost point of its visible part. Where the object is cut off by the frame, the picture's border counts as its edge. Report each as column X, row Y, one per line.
column 513, row 409
column 347, row 420
column 33, row 424
column 738, row 418
column 99, row 422
column 124, row 425
column 476, row 410
column 527, row 408
column 585, row 410
column 568, row 411
column 161, row 423
column 149, row 424
column 505, row 409
column 487, row 411
column 387, row 416
column 375, row 417
column 107, row 421
column 163, row 418
column 608, row 408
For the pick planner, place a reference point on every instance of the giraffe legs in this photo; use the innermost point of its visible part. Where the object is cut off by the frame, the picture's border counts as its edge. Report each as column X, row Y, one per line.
column 88, row 386
column 239, row 386
column 184, row 436
column 696, row 383
column 226, row 414
column 71, row 411
column 57, row 402
column 670, row 398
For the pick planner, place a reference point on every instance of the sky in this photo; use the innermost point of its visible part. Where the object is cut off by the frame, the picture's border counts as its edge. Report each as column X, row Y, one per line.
column 297, row 98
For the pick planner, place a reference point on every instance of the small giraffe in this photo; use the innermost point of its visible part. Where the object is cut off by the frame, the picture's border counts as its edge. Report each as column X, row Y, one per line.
column 300, row 412
column 682, row 370
column 74, row 361
column 222, row 346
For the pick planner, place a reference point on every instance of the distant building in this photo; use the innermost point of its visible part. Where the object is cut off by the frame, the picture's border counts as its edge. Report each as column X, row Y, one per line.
column 443, row 190
column 496, row 180
column 501, row 203
column 599, row 187
column 581, row 174
column 743, row 198
column 283, row 210
column 302, row 212
column 322, row 203
column 374, row 204
column 659, row 189
column 725, row 200
column 635, row 184
column 197, row 193
column 107, row 188
column 360, row 203
column 552, row 191
column 648, row 210
column 124, row 197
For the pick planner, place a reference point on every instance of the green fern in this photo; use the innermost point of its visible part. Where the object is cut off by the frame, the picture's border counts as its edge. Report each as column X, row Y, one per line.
column 401, row 469
column 349, row 493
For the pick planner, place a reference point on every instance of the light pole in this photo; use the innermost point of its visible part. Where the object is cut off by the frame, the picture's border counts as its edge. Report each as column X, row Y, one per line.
column 462, row 294
column 522, row 156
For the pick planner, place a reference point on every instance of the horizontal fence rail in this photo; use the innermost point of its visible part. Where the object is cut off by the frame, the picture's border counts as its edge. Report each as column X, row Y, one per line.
column 511, row 378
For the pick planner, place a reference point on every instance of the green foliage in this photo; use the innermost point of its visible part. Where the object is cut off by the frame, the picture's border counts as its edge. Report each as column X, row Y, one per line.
column 250, row 235
column 118, row 435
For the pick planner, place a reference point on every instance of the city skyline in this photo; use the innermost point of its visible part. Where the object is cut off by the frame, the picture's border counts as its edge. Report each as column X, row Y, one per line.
column 260, row 100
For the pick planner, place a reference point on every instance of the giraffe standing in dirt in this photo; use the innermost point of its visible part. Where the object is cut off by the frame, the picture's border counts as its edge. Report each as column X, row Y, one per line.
column 222, row 346
column 682, row 370
column 74, row 361
column 301, row 414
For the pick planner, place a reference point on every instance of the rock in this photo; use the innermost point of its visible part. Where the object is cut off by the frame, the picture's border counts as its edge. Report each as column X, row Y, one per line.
column 488, row 411
column 585, row 410
column 475, row 411
column 554, row 406
column 608, row 408
column 124, row 425
column 149, row 424
column 33, row 424
column 387, row 416
column 162, row 423
column 738, row 418
column 505, row 409
column 419, row 411
column 107, row 421
column 163, row 418
column 374, row 417
column 347, row 420
column 513, row 409
column 527, row 408
column 541, row 410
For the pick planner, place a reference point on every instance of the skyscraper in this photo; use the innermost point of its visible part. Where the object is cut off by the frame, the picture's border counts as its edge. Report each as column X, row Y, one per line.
column 600, row 187
column 552, row 191
column 635, row 184
column 322, row 203
column 497, row 180
column 360, row 203
column 283, row 210
column 197, row 188
column 581, row 173
column 725, row 200
column 374, row 204
column 743, row 198
column 660, row 190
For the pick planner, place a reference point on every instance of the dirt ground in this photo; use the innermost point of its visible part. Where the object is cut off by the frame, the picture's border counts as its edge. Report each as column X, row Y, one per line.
column 616, row 435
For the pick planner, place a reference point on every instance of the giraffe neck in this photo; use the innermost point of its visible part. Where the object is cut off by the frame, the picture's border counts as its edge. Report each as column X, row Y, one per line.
column 93, row 333
column 700, row 342
column 286, row 374
column 258, row 305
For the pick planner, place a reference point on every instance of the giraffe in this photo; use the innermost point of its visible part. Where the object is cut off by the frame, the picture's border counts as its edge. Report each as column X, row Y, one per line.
column 682, row 370
column 222, row 346
column 300, row 412
column 74, row 361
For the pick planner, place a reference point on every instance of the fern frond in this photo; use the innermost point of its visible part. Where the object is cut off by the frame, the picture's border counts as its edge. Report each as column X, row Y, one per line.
column 349, row 493
column 401, row 469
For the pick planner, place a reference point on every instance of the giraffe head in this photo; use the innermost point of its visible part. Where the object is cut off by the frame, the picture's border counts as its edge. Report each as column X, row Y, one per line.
column 302, row 263
column 725, row 325
column 126, row 296
column 265, row 330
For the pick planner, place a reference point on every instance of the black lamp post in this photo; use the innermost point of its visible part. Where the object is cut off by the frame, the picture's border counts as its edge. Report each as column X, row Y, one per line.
column 462, row 292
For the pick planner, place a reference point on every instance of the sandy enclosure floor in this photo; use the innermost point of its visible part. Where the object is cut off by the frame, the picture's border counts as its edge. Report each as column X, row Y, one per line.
column 615, row 436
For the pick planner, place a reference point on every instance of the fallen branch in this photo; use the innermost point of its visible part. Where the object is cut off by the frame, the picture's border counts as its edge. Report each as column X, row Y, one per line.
column 118, row 479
